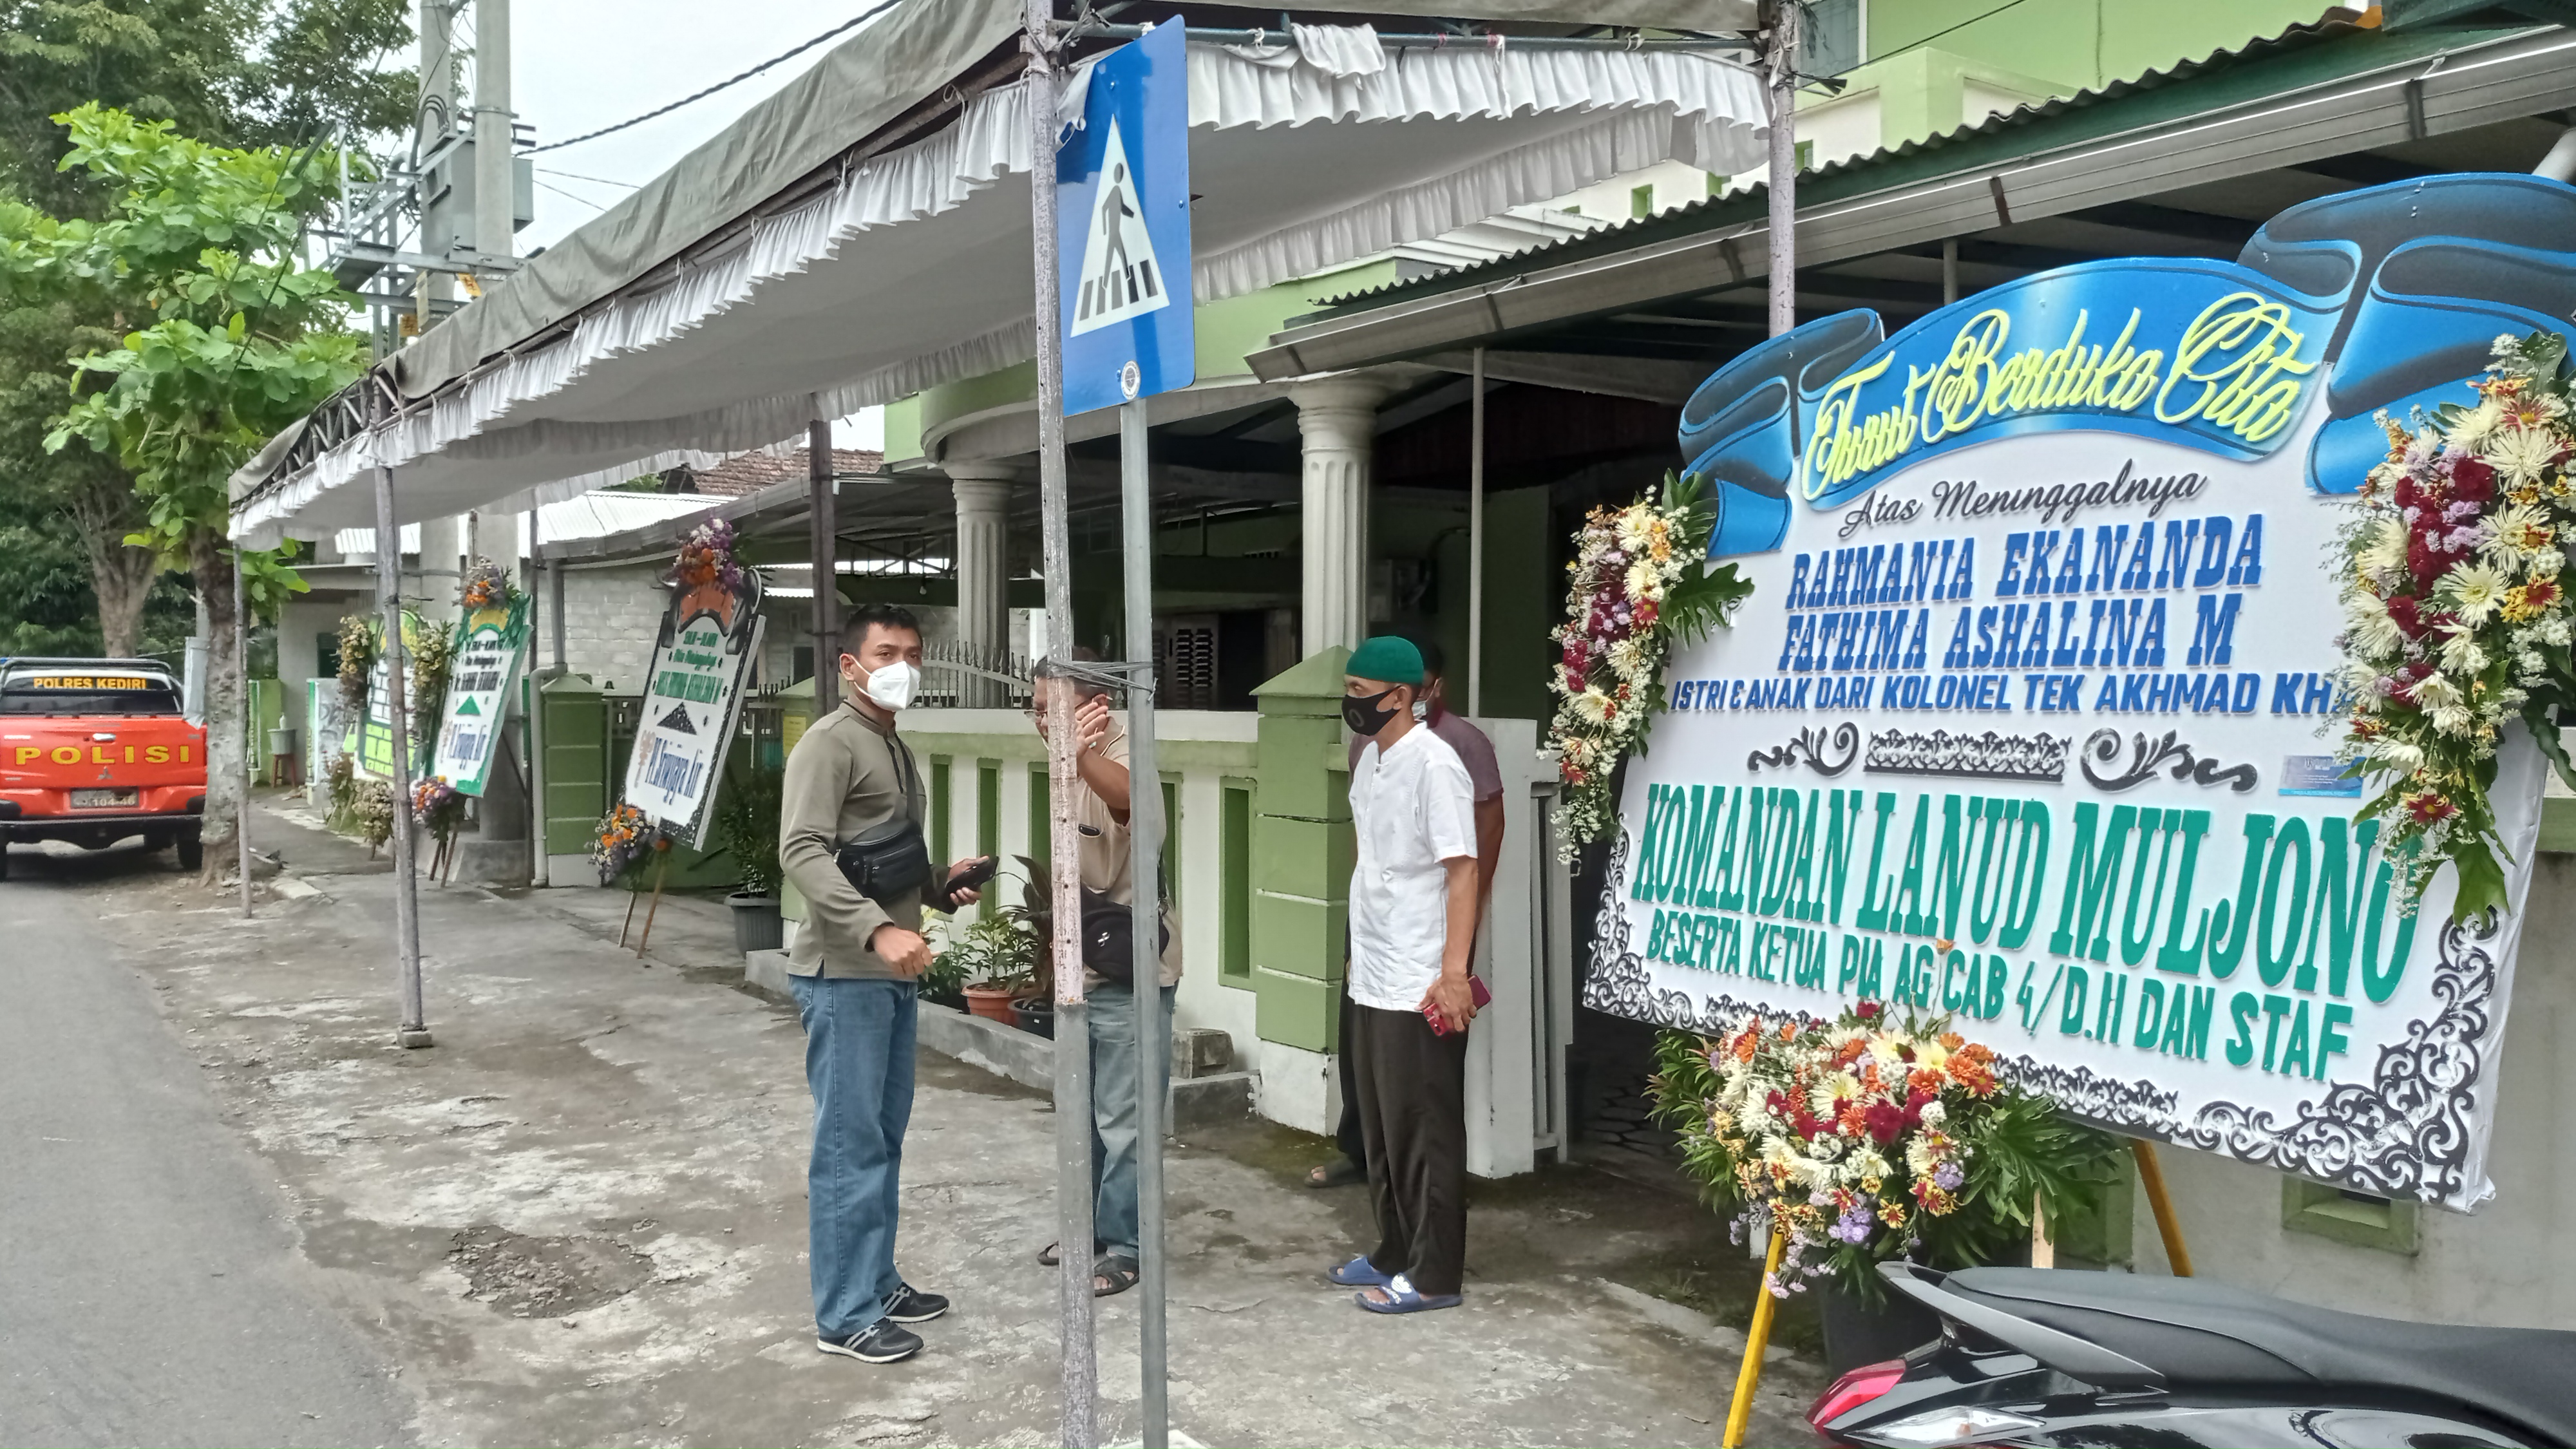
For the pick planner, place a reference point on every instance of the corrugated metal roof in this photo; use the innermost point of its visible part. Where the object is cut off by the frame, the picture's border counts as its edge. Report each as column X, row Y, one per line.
column 1752, row 201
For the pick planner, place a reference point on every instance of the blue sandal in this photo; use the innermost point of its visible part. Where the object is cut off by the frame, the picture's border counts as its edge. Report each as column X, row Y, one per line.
column 1402, row 1298
column 1357, row 1273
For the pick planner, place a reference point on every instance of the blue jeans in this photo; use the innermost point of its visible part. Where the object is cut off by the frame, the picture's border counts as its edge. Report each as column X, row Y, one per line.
column 1114, row 1105
column 858, row 1061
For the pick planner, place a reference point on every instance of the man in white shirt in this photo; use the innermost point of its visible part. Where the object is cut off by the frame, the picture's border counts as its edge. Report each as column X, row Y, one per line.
column 1413, row 926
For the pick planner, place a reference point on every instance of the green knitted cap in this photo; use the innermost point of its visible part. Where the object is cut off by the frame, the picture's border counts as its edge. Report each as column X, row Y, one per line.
column 1386, row 657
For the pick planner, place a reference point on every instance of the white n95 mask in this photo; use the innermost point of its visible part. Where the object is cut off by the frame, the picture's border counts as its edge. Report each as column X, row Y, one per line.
column 893, row 686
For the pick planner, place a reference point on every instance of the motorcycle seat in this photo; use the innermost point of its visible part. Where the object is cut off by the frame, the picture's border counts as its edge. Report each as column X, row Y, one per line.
column 2202, row 1334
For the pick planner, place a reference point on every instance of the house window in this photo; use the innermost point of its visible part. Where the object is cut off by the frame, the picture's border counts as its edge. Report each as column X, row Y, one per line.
column 1831, row 40
column 1171, row 864
column 1641, row 200
column 939, row 855
column 1234, row 871
column 1806, row 156
column 1041, row 821
column 2348, row 1216
column 988, row 826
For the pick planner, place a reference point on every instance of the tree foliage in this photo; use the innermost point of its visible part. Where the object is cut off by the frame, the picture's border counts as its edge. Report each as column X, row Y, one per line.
column 233, row 338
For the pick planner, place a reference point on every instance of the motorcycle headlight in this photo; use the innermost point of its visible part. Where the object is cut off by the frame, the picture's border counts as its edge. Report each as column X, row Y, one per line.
column 1950, row 1426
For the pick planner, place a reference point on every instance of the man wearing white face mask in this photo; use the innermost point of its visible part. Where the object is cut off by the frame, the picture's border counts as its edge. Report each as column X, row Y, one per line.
column 851, row 811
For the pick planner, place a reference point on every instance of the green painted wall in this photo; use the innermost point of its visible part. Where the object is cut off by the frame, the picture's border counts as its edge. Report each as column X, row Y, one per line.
column 2084, row 43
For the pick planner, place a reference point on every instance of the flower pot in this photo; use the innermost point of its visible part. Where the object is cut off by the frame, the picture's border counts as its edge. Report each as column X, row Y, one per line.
column 1036, row 1015
column 993, row 1003
column 950, row 997
column 1858, row 1333
column 756, row 923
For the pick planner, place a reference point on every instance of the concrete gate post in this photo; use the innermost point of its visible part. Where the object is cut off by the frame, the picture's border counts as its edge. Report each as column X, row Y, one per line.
column 1337, row 423
column 1301, row 877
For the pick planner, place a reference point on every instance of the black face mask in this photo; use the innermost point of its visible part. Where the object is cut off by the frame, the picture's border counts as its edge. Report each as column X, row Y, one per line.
column 1362, row 713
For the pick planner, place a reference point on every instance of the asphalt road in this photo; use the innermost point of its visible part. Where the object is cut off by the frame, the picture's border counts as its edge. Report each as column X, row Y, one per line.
column 151, row 1291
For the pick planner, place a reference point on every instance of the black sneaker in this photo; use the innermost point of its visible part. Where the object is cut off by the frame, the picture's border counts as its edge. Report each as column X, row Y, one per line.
column 883, row 1341
column 911, row 1305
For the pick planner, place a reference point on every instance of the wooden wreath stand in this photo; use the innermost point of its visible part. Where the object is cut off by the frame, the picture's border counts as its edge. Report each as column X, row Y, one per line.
column 1757, row 1336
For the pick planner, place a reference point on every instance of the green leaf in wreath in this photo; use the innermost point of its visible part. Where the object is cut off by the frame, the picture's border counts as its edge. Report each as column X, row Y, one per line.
column 2481, row 886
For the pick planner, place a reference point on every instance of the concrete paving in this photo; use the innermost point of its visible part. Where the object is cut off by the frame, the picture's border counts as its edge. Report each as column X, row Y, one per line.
column 154, row 1292
column 580, row 1217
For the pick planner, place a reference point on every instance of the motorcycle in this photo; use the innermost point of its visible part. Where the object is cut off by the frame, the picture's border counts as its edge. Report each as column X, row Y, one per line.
column 2118, row 1361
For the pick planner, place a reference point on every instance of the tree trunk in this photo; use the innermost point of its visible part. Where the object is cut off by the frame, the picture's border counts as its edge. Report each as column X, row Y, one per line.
column 121, row 577
column 103, row 507
column 212, row 568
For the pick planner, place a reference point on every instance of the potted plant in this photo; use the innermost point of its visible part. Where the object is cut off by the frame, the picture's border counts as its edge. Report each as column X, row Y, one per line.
column 1033, row 1007
column 1866, row 1139
column 990, row 961
column 944, row 984
column 747, row 828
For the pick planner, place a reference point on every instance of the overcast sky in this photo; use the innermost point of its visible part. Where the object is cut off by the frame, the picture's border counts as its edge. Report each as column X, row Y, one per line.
column 578, row 65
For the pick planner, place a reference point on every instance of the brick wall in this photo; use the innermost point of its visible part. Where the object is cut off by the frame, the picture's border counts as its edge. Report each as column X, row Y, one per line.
column 610, row 620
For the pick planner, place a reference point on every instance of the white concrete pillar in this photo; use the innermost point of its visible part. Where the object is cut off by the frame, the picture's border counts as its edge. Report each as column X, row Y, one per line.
column 1337, row 420
column 442, row 544
column 983, row 563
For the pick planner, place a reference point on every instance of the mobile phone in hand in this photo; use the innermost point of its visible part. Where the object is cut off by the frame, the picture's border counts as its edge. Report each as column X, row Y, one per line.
column 972, row 876
column 1476, row 993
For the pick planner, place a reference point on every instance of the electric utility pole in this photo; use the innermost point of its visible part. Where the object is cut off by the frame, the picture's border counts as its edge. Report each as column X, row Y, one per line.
column 1780, row 57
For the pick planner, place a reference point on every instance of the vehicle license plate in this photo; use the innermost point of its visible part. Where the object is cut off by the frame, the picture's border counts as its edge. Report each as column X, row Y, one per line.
column 104, row 799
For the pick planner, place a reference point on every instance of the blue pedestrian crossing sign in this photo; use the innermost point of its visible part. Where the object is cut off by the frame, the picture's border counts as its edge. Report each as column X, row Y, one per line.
column 1123, row 229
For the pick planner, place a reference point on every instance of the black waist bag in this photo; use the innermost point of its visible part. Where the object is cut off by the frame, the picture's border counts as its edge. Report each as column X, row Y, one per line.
column 1109, row 936
column 887, row 864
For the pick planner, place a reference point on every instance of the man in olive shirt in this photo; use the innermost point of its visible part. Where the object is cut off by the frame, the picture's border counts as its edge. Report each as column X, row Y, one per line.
column 852, row 968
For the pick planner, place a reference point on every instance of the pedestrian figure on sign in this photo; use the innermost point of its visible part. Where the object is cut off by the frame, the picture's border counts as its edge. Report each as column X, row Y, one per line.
column 1114, row 210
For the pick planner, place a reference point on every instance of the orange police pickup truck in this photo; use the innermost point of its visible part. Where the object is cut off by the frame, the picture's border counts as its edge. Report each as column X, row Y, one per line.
column 95, row 751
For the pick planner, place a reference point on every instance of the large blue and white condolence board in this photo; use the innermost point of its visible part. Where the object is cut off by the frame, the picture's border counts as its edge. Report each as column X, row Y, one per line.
column 1123, row 228
column 2030, row 716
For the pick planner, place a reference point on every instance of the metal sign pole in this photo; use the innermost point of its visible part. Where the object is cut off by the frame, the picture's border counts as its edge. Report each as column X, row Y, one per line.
column 414, row 1030
column 1080, row 1423
column 1145, row 824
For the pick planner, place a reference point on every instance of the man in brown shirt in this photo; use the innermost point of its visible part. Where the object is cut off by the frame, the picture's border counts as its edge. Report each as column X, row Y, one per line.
column 1107, row 866
column 852, row 969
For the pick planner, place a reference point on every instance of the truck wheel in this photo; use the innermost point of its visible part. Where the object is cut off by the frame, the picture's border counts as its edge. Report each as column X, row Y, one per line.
column 192, row 851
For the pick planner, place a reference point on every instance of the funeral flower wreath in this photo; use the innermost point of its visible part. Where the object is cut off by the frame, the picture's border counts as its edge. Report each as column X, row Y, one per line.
column 1641, row 580
column 2454, row 584
column 1868, row 1138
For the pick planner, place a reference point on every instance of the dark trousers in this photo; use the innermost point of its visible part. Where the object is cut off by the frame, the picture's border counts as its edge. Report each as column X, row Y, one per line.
column 1347, row 1134
column 1412, row 1093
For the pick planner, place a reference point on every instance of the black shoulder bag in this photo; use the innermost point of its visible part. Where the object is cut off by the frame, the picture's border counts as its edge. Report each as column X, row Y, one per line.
column 889, row 862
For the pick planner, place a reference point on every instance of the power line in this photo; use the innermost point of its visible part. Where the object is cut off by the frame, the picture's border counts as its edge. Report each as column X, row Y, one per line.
column 602, row 180
column 584, row 200
column 863, row 16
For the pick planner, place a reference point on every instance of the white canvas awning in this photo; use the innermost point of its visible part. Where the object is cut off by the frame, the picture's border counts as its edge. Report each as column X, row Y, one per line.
column 687, row 323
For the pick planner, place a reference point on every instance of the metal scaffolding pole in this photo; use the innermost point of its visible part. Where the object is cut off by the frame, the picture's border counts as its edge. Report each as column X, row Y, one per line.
column 1080, row 1422
column 1145, row 825
column 1476, row 537
column 414, row 1029
column 1782, row 58
column 249, row 726
column 826, row 558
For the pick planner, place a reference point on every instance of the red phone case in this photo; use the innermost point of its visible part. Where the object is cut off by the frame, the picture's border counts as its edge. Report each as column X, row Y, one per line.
column 1476, row 992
